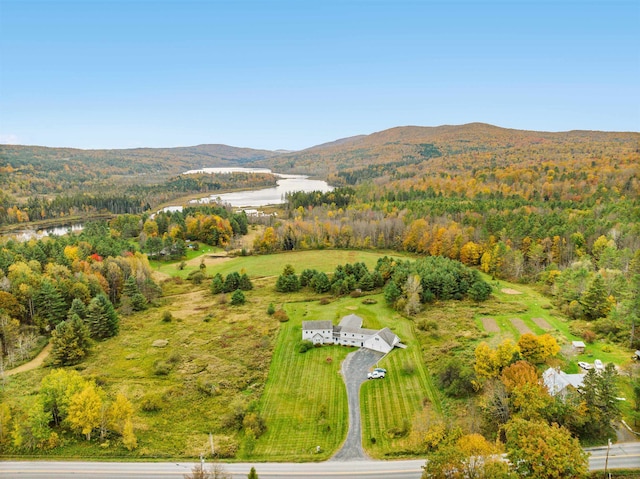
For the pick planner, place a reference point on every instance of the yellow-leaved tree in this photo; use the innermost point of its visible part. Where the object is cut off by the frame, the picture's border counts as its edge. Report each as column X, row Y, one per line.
column 85, row 410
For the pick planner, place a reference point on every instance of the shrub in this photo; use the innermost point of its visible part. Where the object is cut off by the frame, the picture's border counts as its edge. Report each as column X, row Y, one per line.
column 271, row 309
column 281, row 315
column 196, row 277
column 237, row 298
column 398, row 431
column 428, row 325
column 304, row 346
column 151, row 402
column 325, row 301
column 588, row 336
column 161, row 368
column 207, row 385
column 254, row 423
column 167, row 317
column 182, row 265
column 369, row 301
column 226, row 447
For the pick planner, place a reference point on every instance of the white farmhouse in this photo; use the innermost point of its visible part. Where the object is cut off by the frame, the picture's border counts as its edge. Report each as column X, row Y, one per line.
column 559, row 382
column 350, row 333
column 318, row 332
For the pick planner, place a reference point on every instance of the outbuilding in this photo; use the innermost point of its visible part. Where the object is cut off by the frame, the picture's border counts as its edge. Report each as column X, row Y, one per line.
column 578, row 346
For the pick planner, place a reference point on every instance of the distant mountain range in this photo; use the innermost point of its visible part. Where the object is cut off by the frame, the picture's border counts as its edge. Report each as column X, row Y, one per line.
column 400, row 145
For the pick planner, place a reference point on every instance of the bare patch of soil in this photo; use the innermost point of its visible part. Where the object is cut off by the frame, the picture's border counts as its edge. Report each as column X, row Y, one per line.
column 520, row 326
column 510, row 291
column 542, row 323
column 490, row 325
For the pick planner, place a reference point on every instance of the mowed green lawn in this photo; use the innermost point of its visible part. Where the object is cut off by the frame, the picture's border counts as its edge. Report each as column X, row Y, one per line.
column 323, row 260
column 304, row 402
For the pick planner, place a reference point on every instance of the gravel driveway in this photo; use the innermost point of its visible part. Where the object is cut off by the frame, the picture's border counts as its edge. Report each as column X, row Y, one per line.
column 354, row 372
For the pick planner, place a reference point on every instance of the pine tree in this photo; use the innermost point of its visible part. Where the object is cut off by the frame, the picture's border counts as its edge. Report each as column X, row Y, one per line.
column 237, row 298
column 71, row 340
column 78, row 308
column 594, row 299
column 245, row 283
column 102, row 318
column 232, row 282
column 50, row 305
column 217, row 284
column 252, row 474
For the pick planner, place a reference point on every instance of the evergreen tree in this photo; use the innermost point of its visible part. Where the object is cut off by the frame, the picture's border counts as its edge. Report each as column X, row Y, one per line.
column 131, row 293
column 102, row 318
column 392, row 293
column 306, row 277
column 78, row 308
column 70, row 341
column 237, row 298
column 252, row 474
column 231, row 282
column 320, row 283
column 130, row 287
column 366, row 282
column 245, row 283
column 594, row 299
column 288, row 281
column 217, row 284
column 50, row 305
column 271, row 309
column 599, row 392
column 479, row 291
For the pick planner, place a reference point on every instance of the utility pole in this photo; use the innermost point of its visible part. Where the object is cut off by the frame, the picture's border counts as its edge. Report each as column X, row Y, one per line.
column 606, row 461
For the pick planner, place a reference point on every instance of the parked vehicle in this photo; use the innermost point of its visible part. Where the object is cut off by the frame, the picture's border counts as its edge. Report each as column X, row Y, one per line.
column 598, row 365
column 375, row 375
column 585, row 366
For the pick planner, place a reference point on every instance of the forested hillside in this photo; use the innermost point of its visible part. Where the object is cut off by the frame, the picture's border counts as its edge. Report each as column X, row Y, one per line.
column 29, row 170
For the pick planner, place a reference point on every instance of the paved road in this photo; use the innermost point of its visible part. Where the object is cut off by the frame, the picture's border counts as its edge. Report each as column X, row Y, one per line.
column 625, row 455
column 333, row 470
column 354, row 373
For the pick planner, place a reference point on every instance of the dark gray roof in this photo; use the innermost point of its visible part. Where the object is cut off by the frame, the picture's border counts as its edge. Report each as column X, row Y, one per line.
column 317, row 325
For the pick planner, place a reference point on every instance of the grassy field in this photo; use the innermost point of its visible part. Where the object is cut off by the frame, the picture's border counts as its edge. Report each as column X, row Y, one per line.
column 532, row 304
column 222, row 358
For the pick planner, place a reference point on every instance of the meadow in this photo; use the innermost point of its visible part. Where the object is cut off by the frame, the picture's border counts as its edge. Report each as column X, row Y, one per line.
column 220, row 362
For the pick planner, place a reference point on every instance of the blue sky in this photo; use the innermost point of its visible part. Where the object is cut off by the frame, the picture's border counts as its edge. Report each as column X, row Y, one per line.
column 292, row 74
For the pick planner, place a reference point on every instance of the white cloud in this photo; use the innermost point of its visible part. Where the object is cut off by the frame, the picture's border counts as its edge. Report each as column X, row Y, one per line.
column 8, row 139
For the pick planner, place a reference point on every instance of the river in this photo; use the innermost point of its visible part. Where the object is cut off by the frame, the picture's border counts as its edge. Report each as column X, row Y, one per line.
column 240, row 199
column 30, row 233
column 262, row 197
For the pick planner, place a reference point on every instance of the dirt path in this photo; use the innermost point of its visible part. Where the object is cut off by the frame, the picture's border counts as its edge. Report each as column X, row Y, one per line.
column 34, row 363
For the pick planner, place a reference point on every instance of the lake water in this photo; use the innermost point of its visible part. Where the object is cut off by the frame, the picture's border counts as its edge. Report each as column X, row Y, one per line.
column 29, row 234
column 240, row 199
column 262, row 197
